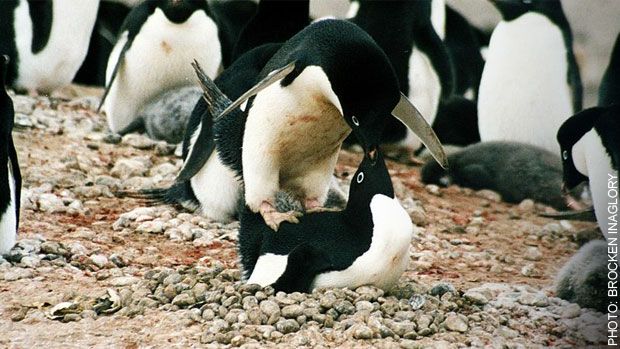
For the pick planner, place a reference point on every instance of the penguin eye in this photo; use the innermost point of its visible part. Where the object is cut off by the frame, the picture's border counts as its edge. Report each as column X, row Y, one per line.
column 565, row 155
column 355, row 121
column 360, row 177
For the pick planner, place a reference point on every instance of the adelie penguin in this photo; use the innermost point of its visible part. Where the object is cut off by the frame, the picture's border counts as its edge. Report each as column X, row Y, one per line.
column 314, row 90
column 365, row 244
column 530, row 83
column 158, row 41
column 46, row 40
column 10, row 177
column 590, row 150
column 404, row 30
column 325, row 81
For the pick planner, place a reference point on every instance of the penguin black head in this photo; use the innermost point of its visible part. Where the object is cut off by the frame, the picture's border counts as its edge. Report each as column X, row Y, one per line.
column 371, row 178
column 178, row 11
column 513, row 9
column 569, row 134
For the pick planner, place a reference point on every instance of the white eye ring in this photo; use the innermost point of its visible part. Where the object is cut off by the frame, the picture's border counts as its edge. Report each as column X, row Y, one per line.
column 355, row 121
column 565, row 155
column 360, row 177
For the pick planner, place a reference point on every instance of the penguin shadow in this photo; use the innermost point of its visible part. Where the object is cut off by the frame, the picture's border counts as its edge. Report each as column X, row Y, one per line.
column 367, row 243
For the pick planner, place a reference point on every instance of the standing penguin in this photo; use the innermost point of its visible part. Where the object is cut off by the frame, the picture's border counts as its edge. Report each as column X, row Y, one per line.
column 46, row 40
column 10, row 176
column 404, row 30
column 158, row 41
column 325, row 81
column 590, row 148
column 365, row 244
column 530, row 83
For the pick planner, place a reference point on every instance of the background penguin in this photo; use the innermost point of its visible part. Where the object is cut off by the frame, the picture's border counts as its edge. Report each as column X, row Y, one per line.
column 404, row 30
column 516, row 171
column 530, row 83
column 366, row 244
column 110, row 18
column 274, row 21
column 289, row 135
column 231, row 17
column 10, row 176
column 46, row 48
column 158, row 41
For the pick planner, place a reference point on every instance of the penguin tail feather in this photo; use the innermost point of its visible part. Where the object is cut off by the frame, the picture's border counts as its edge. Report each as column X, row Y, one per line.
column 215, row 98
column 178, row 195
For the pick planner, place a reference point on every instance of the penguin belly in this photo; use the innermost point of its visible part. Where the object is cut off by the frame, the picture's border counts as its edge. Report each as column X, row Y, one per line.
column 56, row 65
column 524, row 94
column 598, row 169
column 217, row 190
column 158, row 60
column 387, row 257
column 424, row 92
column 292, row 138
column 8, row 219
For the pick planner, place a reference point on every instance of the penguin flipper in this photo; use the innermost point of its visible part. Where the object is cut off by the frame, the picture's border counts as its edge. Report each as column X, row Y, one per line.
column 121, row 58
column 304, row 263
column 430, row 43
column 586, row 215
column 270, row 79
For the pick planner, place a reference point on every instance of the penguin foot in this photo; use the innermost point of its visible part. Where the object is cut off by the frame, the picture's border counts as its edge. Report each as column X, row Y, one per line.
column 273, row 218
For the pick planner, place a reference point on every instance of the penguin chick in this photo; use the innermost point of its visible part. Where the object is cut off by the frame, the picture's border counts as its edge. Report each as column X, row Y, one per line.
column 166, row 116
column 457, row 122
column 158, row 41
column 530, row 83
column 46, row 40
column 583, row 279
column 10, row 176
column 365, row 244
column 516, row 171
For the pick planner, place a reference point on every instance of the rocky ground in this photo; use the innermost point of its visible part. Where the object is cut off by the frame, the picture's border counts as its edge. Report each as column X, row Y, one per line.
column 93, row 269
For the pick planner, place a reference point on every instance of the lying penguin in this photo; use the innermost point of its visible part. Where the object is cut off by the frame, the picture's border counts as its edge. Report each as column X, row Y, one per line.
column 158, row 41
column 530, row 83
column 309, row 98
column 10, row 176
column 516, row 171
column 365, row 244
column 47, row 41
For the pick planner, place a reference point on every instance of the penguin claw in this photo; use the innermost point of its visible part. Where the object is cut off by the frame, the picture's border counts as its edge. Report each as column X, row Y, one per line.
column 322, row 209
column 274, row 219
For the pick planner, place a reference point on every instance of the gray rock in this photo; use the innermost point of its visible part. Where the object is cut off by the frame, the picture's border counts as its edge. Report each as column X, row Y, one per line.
column 287, row 326
column 456, row 323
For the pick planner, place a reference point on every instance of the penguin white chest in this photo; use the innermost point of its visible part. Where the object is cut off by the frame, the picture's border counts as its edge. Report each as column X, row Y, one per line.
column 524, row 94
column 8, row 218
column 158, row 60
column 292, row 138
column 388, row 255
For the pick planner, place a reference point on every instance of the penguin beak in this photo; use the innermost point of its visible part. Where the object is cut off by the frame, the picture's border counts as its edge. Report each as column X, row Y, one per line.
column 409, row 115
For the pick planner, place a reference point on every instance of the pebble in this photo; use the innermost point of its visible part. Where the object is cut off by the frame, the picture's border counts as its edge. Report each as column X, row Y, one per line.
column 532, row 254
column 99, row 260
column 456, row 323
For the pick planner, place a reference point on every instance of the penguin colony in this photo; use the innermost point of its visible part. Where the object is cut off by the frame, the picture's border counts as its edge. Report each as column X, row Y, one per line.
column 279, row 95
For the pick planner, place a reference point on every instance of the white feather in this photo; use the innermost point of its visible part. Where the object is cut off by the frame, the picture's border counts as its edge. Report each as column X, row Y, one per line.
column 388, row 255
column 217, row 189
column 8, row 219
column 158, row 60
column 524, row 95
column 56, row 65
column 293, row 135
column 438, row 17
column 269, row 267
